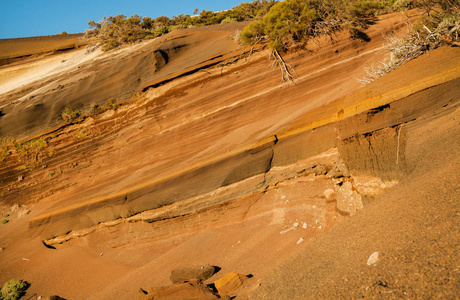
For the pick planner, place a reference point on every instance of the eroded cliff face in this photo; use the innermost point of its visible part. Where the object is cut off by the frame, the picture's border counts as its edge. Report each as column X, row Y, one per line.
column 88, row 78
column 213, row 164
column 371, row 143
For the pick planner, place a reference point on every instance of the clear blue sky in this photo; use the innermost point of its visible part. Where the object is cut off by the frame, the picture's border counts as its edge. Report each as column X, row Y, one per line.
column 25, row 18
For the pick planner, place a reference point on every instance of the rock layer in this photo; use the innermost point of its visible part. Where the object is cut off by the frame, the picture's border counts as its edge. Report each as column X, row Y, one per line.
column 376, row 150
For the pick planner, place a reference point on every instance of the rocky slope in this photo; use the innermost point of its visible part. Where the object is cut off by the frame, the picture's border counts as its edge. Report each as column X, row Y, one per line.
column 221, row 164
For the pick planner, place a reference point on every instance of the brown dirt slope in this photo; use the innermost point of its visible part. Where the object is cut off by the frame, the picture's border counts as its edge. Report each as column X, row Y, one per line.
column 414, row 227
column 296, row 185
column 242, row 164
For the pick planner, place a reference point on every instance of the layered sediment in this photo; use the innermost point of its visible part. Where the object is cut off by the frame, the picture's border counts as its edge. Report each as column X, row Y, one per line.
column 205, row 162
column 371, row 143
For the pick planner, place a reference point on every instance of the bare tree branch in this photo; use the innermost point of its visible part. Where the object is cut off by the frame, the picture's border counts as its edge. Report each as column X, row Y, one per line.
column 287, row 72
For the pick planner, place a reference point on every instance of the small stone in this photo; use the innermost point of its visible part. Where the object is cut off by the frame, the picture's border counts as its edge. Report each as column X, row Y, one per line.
column 373, row 259
column 23, row 212
column 14, row 208
column 300, row 241
column 340, row 170
column 20, row 178
column 348, row 200
column 328, row 193
column 287, row 230
column 296, row 224
column 304, row 225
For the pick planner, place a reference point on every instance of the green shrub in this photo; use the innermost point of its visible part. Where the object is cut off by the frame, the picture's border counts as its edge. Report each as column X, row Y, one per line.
column 113, row 104
column 81, row 133
column 252, row 33
column 160, row 30
column 228, row 20
column 297, row 21
column 113, row 32
column 38, row 144
column 69, row 114
column 95, row 109
column 13, row 289
column 5, row 145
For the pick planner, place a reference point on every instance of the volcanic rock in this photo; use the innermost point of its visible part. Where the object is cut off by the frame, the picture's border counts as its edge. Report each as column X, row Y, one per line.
column 229, row 283
column 186, row 290
column 187, row 274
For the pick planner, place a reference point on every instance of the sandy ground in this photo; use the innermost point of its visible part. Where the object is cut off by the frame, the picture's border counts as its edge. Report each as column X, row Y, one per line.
column 203, row 117
column 413, row 227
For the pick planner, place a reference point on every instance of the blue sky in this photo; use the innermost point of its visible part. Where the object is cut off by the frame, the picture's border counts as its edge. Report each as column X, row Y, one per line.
column 25, row 18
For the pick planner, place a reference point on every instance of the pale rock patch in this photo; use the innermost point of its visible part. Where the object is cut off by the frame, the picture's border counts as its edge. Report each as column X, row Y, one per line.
column 373, row 259
column 349, row 201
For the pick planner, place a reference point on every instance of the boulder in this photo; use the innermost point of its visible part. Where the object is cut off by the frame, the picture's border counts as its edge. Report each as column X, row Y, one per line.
column 188, row 274
column 348, row 200
column 193, row 290
column 229, row 283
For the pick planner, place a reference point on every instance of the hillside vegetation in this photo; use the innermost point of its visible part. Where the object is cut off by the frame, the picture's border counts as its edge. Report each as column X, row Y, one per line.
column 282, row 25
column 285, row 23
column 112, row 32
column 296, row 22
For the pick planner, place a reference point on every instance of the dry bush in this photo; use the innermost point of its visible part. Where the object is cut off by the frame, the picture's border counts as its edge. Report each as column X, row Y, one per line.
column 417, row 40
